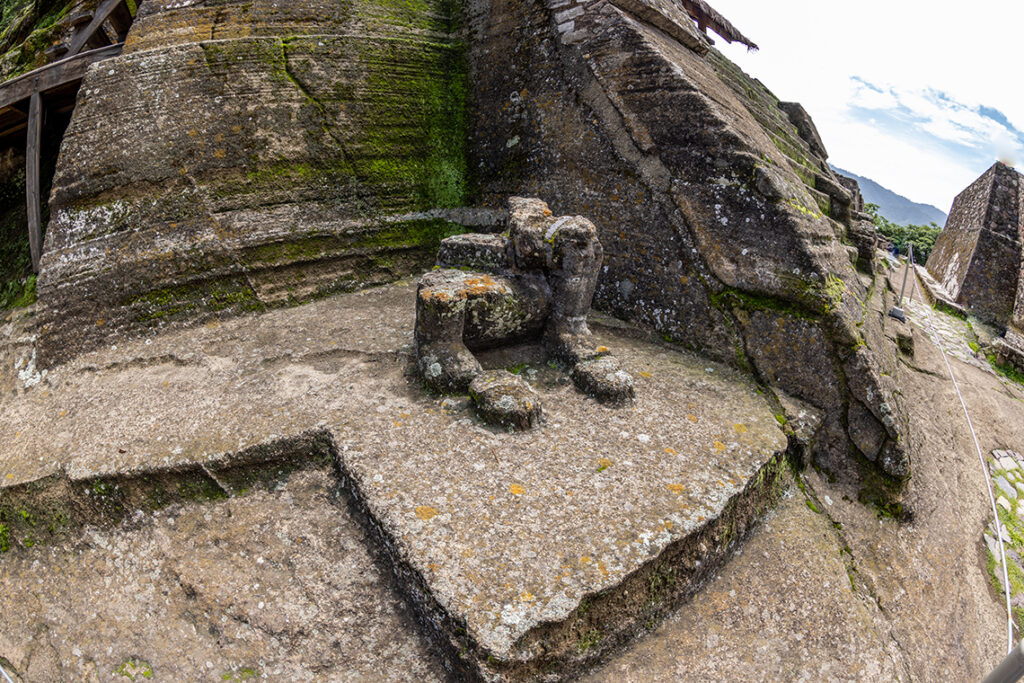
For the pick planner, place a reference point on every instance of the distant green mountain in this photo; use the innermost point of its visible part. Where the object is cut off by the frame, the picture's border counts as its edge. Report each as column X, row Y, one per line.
column 895, row 207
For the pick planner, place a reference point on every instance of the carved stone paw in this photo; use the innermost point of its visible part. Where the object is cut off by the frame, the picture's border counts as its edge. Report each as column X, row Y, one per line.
column 505, row 400
column 447, row 367
column 603, row 379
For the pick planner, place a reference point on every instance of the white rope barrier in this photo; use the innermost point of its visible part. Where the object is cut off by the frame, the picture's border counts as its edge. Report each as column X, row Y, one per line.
column 984, row 466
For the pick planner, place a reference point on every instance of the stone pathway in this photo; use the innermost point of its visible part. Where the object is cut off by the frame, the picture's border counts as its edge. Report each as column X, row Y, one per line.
column 954, row 335
column 1007, row 471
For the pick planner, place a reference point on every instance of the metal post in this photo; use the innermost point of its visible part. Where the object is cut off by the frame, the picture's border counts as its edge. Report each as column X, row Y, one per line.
column 1011, row 669
column 897, row 311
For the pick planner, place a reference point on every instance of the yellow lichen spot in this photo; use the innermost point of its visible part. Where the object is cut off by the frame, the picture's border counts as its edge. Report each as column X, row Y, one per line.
column 516, row 490
column 691, row 418
column 396, row 423
column 644, row 374
column 426, row 513
column 683, row 279
column 740, row 429
column 526, row 596
column 404, row 416
column 719, row 446
column 219, row 153
column 601, row 568
column 585, row 559
column 433, row 567
column 62, row 413
column 670, row 451
column 602, row 349
column 667, row 524
column 101, row 322
column 675, row 488
column 10, row 476
column 603, row 464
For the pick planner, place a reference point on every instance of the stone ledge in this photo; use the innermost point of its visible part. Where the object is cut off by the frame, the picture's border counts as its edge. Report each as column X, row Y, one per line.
column 936, row 294
column 522, row 551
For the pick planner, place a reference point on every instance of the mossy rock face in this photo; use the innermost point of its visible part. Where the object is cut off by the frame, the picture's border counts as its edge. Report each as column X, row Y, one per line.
column 337, row 124
column 723, row 226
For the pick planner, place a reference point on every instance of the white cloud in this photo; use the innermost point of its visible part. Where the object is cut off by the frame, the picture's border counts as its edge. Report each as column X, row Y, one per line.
column 934, row 66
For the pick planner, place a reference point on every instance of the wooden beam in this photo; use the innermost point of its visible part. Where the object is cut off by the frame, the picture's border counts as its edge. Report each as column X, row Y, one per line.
column 121, row 21
column 32, row 148
column 102, row 13
column 53, row 75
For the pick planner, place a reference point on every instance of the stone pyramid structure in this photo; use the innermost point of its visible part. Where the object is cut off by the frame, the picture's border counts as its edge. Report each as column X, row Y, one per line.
column 977, row 258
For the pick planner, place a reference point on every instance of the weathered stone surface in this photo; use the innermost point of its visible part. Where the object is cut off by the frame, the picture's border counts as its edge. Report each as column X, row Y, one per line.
column 865, row 431
column 603, row 379
column 506, row 400
column 542, row 548
column 289, row 150
column 977, row 257
column 711, row 206
column 805, row 127
column 475, row 250
column 275, row 585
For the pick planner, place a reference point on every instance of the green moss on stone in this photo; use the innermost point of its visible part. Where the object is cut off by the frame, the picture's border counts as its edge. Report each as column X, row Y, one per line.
column 730, row 298
column 202, row 490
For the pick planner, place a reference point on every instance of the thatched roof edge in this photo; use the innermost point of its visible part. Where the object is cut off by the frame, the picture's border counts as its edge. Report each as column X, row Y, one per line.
column 706, row 15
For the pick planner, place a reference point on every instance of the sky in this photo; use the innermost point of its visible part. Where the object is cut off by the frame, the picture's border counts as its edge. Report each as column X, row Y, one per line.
column 920, row 96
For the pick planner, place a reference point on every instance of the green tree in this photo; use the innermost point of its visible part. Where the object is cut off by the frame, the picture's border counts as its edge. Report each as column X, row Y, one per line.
column 921, row 236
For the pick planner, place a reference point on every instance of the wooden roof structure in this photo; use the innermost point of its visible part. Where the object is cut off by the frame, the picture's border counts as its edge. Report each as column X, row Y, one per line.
column 708, row 18
column 25, row 99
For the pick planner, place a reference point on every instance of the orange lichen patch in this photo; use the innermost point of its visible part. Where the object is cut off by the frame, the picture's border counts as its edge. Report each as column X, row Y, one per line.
column 602, row 349
column 62, row 413
column 396, row 423
column 644, row 374
column 426, row 513
column 670, row 451
column 602, row 568
column 516, row 490
column 675, row 488
column 101, row 322
column 433, row 567
column 481, row 284
column 719, row 446
column 740, row 429
column 691, row 418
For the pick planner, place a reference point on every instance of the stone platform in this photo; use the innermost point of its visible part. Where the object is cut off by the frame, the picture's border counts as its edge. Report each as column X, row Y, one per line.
column 522, row 555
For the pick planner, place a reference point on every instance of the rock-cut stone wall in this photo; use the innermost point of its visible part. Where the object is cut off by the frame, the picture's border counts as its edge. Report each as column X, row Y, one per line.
column 240, row 155
column 722, row 226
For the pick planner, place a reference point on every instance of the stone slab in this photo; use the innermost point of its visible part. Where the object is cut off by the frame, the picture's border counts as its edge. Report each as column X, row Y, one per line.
column 518, row 550
column 276, row 585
